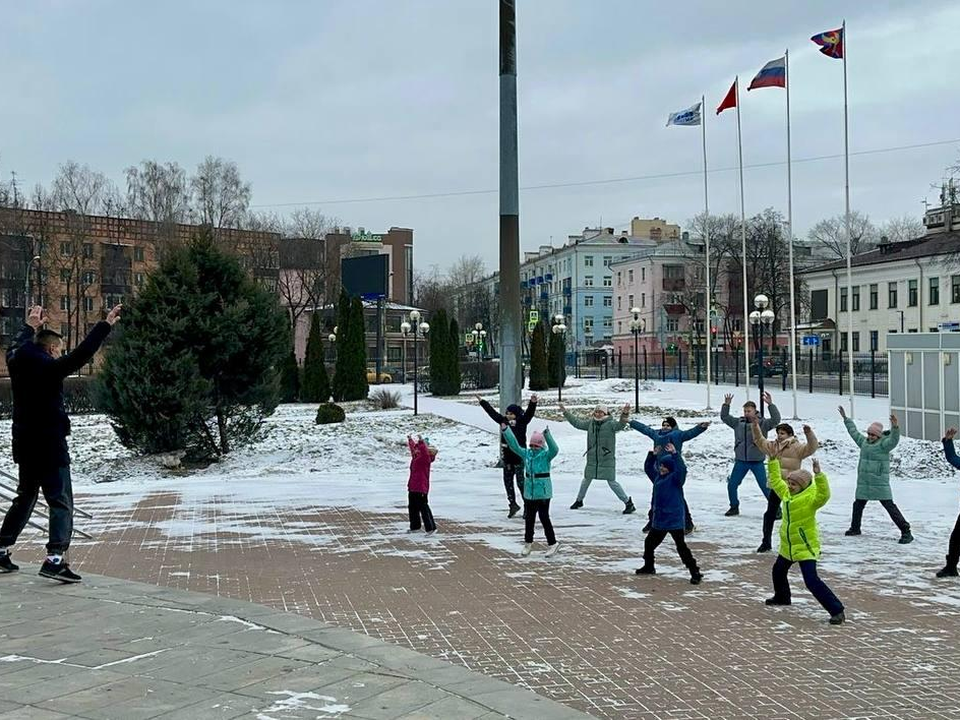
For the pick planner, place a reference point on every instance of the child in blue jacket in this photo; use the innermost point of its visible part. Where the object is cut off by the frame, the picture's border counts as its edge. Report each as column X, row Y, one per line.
column 953, row 550
column 667, row 474
column 537, row 487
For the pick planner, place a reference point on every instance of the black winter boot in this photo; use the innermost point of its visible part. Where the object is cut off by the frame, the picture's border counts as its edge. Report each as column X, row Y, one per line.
column 695, row 575
column 514, row 509
column 6, row 564
column 949, row 570
column 777, row 601
column 629, row 507
column 734, row 510
column 577, row 504
column 647, row 569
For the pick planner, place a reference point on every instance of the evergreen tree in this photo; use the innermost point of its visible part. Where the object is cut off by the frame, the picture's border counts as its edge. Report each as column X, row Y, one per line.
column 538, row 359
column 439, row 363
column 555, row 360
column 454, row 358
column 316, row 384
column 342, row 361
column 355, row 385
column 290, row 379
column 196, row 366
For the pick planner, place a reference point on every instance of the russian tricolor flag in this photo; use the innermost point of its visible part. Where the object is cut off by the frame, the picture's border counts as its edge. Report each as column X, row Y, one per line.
column 773, row 74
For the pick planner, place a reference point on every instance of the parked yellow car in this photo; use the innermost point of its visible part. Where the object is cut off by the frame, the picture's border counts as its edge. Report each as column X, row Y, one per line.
column 384, row 377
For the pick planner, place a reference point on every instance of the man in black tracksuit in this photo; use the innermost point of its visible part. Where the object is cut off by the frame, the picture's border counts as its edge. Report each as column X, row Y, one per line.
column 40, row 430
column 518, row 420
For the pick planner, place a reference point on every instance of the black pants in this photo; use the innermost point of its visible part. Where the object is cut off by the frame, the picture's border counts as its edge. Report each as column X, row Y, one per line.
column 770, row 516
column 686, row 511
column 532, row 508
column 889, row 505
column 655, row 537
column 953, row 553
column 57, row 491
column 819, row 589
column 513, row 472
column 418, row 507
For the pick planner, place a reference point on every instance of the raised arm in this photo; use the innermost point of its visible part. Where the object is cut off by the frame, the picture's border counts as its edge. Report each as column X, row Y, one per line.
column 578, row 423
column 644, row 429
column 812, row 443
column 773, row 420
column 823, row 489
column 494, row 415
column 691, row 433
column 650, row 466
column 950, row 451
column 82, row 354
column 552, row 448
column 889, row 442
column 621, row 424
column 511, row 440
column 411, row 444
column 775, row 480
column 767, row 447
column 725, row 416
column 531, row 409
column 25, row 335
column 853, row 432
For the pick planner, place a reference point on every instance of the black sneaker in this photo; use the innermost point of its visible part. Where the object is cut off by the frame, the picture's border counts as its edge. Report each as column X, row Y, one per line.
column 764, row 547
column 58, row 571
column 647, row 569
column 838, row 619
column 577, row 505
column 646, row 528
column 695, row 577
column 777, row 601
column 732, row 511
column 7, row 566
column 852, row 532
column 947, row 571
column 690, row 529
column 906, row 538
column 629, row 507
column 514, row 509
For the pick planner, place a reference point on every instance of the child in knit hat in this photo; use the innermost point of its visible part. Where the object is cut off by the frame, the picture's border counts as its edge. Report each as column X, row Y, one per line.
column 873, row 473
column 422, row 455
column 537, row 485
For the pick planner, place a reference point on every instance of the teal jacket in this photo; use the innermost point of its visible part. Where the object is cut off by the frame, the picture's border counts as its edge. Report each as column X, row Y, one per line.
column 873, row 470
column 601, row 451
column 536, row 465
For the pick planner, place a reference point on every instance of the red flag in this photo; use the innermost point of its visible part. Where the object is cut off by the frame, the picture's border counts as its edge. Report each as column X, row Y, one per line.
column 830, row 42
column 730, row 100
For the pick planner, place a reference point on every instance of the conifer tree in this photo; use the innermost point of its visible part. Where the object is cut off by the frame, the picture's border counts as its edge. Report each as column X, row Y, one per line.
column 316, row 383
column 538, row 359
column 453, row 352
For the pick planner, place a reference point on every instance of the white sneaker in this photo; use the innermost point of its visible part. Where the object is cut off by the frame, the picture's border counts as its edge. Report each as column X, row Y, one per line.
column 430, row 532
column 552, row 550
column 527, row 549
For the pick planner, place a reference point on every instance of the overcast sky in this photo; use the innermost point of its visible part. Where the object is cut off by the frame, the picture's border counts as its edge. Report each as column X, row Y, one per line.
column 335, row 100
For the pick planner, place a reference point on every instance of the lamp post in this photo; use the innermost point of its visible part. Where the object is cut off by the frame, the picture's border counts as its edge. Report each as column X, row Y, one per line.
column 404, row 330
column 417, row 329
column 560, row 330
column 637, row 324
column 759, row 318
column 478, row 336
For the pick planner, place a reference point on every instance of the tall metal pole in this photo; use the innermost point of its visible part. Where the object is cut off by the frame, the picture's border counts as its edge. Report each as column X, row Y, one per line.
column 793, row 301
column 510, row 314
column 743, row 242
column 636, row 367
column 706, row 234
column 760, row 372
column 846, row 191
column 415, row 363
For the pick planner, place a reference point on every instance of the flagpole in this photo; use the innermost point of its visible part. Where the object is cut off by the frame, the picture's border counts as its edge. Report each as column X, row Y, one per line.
column 793, row 300
column 846, row 189
column 706, row 236
column 743, row 242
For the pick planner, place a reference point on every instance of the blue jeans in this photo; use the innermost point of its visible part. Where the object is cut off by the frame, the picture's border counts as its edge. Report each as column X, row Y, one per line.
column 817, row 587
column 740, row 469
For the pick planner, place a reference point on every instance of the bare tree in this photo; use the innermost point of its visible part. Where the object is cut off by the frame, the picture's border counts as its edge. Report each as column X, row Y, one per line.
column 158, row 192
column 220, row 195
column 309, row 223
column 901, row 229
column 832, row 234
column 80, row 189
column 466, row 271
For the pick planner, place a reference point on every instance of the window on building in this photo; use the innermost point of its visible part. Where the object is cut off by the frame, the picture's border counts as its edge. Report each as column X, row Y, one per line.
column 673, row 325
column 66, row 249
column 843, row 342
column 912, row 330
column 891, row 295
column 643, row 300
column 588, row 280
column 912, row 299
column 588, row 300
column 856, row 298
column 607, row 281
column 87, row 250
column 843, row 299
column 138, row 254
column 619, row 327
column 89, row 277
column 934, row 298
column 138, row 279
column 88, row 304
column 65, row 303
column 631, row 301
column 874, row 340
column 588, row 325
column 874, row 299
column 64, row 275
column 955, row 288
column 619, row 302
column 643, row 274
column 856, row 341
column 619, row 278
column 629, row 276
column 607, row 259
column 674, row 272
column 588, row 260
column 608, row 301
column 607, row 323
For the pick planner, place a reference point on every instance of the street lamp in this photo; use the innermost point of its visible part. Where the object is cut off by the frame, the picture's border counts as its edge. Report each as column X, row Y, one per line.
column 418, row 330
column 404, row 330
column 637, row 325
column 479, row 334
column 560, row 330
column 762, row 316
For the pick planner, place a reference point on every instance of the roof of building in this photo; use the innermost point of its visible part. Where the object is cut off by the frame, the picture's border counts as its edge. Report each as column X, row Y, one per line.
column 938, row 244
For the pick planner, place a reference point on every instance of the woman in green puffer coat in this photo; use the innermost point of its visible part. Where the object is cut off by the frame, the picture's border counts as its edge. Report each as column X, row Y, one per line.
column 873, row 473
column 601, row 452
column 799, row 536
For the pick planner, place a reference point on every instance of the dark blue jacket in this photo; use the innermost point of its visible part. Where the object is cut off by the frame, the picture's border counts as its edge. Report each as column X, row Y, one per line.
column 662, row 437
column 668, row 507
column 951, row 453
column 40, row 423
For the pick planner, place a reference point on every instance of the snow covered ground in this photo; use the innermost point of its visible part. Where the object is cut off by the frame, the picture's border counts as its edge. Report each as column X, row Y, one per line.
column 363, row 464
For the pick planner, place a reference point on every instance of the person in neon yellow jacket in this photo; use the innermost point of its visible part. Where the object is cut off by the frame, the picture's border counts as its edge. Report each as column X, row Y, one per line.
column 799, row 537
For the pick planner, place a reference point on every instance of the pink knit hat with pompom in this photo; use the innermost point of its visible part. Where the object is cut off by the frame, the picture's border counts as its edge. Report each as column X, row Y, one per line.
column 536, row 439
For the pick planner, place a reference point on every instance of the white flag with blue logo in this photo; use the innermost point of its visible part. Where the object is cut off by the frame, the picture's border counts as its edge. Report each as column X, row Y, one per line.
column 690, row 116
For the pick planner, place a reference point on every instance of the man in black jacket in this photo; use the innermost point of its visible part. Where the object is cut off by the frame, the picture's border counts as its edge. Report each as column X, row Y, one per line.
column 40, row 430
column 518, row 420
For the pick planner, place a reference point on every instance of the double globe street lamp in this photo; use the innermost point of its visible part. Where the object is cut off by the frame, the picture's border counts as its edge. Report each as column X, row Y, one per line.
column 418, row 330
column 560, row 329
column 760, row 318
column 637, row 326
column 479, row 340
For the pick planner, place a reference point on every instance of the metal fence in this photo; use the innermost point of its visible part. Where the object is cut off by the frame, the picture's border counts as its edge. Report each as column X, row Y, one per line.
column 814, row 374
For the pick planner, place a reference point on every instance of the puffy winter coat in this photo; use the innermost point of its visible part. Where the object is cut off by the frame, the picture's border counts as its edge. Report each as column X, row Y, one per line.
column 951, row 453
column 420, row 461
column 789, row 452
column 873, row 470
column 661, row 438
column 668, row 506
column 601, row 451
column 536, row 465
column 519, row 426
column 799, row 535
column 744, row 447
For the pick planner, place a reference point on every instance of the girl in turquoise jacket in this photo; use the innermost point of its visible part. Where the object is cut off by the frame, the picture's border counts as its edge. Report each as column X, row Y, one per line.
column 799, row 536
column 537, row 486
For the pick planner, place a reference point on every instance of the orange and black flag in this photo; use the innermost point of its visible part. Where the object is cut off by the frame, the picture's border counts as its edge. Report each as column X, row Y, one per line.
column 831, row 43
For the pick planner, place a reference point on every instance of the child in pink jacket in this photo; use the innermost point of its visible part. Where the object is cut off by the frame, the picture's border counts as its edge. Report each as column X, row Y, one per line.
column 421, row 457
